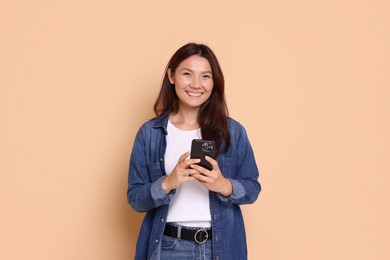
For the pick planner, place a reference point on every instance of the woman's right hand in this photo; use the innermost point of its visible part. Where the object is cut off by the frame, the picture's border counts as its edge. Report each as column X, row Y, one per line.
column 181, row 173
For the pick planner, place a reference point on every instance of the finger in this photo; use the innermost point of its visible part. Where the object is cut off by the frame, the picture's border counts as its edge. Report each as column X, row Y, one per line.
column 213, row 162
column 201, row 171
column 201, row 178
column 190, row 162
column 191, row 172
column 198, row 168
column 189, row 178
column 183, row 157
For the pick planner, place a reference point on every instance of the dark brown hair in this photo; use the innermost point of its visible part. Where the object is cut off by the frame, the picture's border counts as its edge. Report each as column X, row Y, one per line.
column 213, row 114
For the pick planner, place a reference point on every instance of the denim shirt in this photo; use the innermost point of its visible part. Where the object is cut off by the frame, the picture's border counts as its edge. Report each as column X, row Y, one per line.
column 145, row 193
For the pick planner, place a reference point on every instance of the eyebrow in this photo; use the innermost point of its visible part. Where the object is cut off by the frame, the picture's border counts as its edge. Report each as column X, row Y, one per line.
column 204, row 72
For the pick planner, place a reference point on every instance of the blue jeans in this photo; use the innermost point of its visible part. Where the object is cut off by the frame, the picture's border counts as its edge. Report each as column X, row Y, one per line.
column 173, row 248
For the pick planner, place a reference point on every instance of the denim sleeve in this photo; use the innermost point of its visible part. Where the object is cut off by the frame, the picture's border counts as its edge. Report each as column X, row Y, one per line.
column 245, row 184
column 158, row 194
column 237, row 194
column 144, row 193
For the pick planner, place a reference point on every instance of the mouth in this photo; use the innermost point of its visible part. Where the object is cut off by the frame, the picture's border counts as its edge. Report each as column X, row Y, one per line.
column 192, row 94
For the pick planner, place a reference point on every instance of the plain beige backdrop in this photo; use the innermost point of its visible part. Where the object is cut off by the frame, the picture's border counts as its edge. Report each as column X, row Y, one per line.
column 310, row 81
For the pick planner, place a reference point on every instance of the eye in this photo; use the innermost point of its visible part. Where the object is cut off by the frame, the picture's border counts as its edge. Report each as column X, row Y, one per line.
column 207, row 76
column 185, row 73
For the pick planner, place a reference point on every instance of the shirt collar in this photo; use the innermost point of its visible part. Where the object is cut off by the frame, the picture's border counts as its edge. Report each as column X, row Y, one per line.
column 162, row 121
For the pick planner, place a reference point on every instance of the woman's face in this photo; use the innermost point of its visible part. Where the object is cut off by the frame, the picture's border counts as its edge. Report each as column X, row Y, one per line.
column 193, row 82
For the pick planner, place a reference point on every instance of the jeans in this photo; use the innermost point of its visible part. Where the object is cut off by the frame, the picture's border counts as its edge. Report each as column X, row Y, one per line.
column 173, row 248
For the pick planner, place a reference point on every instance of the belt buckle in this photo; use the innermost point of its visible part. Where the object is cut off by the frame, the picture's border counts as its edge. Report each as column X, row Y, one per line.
column 205, row 238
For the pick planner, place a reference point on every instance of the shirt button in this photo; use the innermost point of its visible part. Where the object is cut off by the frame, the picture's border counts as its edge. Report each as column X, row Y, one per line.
column 156, row 241
column 162, row 220
column 161, row 159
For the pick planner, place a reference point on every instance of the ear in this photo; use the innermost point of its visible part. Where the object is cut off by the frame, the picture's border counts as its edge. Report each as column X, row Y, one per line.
column 170, row 76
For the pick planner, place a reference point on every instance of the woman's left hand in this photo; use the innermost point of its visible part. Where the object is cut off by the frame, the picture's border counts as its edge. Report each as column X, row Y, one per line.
column 213, row 180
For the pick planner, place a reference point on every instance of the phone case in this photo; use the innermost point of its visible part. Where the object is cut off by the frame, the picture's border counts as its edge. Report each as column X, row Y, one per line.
column 200, row 148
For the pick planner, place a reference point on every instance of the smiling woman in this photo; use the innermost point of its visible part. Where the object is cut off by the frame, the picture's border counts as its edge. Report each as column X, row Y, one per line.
column 192, row 212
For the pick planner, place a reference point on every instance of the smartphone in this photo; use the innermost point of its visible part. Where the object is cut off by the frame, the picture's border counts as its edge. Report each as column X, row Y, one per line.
column 200, row 148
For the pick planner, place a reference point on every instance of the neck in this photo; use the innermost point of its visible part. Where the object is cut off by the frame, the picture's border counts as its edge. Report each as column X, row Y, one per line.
column 185, row 119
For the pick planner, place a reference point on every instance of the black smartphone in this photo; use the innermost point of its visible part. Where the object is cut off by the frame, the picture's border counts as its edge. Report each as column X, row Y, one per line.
column 200, row 148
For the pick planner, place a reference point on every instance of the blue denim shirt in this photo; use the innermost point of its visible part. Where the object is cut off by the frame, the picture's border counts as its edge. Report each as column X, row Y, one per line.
column 145, row 193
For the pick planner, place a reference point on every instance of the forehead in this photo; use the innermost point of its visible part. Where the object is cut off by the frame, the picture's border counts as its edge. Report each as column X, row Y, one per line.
column 196, row 63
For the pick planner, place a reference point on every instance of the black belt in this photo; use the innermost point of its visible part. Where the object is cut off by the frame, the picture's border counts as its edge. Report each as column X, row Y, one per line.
column 197, row 235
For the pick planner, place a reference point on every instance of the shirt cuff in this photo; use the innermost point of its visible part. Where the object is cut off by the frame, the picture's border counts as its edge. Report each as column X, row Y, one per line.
column 238, row 192
column 158, row 194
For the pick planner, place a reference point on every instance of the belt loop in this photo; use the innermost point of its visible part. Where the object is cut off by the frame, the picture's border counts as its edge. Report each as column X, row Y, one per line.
column 179, row 232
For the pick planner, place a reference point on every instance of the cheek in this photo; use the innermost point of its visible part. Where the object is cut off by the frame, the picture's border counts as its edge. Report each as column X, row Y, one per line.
column 182, row 83
column 178, row 91
column 210, row 87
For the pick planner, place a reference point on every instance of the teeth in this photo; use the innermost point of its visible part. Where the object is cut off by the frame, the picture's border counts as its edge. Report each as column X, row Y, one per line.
column 194, row 94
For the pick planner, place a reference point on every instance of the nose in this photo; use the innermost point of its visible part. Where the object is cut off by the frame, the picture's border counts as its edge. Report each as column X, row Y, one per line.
column 196, row 83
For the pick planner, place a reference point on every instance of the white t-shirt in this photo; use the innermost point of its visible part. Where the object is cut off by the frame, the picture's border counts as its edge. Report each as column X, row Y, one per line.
column 190, row 205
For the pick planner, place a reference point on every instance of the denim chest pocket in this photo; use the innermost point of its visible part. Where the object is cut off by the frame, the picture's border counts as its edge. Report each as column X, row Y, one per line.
column 229, row 167
column 155, row 171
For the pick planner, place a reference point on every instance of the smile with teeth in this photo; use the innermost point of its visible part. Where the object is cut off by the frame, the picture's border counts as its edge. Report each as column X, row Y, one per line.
column 194, row 94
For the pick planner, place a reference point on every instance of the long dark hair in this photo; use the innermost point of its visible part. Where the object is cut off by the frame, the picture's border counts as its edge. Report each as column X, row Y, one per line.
column 213, row 114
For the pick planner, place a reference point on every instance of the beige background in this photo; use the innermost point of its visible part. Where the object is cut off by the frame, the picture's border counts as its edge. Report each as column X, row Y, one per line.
column 309, row 80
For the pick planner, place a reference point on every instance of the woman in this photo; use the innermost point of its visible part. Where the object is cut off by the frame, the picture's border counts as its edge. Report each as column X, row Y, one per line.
column 192, row 212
